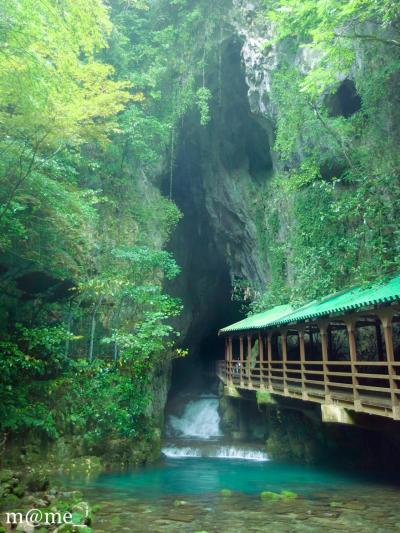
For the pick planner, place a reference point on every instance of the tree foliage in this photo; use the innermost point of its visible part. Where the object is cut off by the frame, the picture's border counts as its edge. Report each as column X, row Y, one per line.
column 91, row 95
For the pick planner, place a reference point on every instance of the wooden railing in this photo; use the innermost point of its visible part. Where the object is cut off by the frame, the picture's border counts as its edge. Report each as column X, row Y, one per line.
column 365, row 386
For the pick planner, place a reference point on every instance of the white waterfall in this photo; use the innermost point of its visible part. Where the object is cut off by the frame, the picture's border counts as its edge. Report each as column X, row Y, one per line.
column 197, row 433
column 172, row 450
column 237, row 452
column 220, row 452
column 200, row 420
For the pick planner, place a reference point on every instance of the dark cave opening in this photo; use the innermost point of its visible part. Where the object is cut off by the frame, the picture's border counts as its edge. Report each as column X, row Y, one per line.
column 238, row 142
column 345, row 102
column 204, row 285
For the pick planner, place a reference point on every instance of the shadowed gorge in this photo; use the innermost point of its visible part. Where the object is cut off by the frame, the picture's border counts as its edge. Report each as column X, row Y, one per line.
column 205, row 241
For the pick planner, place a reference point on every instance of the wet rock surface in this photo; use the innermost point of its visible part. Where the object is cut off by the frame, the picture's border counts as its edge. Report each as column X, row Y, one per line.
column 369, row 511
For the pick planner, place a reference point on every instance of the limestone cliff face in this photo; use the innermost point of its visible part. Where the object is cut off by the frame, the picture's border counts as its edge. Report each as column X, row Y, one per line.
column 262, row 58
column 259, row 60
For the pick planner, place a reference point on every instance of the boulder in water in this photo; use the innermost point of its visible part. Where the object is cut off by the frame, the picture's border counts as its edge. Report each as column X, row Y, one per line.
column 267, row 495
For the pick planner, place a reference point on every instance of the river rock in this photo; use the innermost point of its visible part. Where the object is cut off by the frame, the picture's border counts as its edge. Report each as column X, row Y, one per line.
column 354, row 506
column 71, row 495
column 25, row 527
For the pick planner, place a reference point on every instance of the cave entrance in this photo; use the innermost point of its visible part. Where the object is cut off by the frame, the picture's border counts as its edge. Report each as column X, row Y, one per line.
column 345, row 102
column 208, row 243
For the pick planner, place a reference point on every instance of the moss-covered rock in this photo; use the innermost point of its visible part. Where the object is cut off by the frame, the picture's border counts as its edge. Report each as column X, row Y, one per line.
column 293, row 436
column 81, row 513
column 265, row 398
column 289, row 495
column 267, row 495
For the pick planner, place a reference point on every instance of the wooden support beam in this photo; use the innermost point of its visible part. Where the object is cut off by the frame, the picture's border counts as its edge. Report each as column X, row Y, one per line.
column 261, row 359
column 302, row 348
column 230, row 362
column 284, row 361
column 323, row 330
column 386, row 317
column 249, row 361
column 226, row 359
column 351, row 332
column 241, row 362
column 269, row 358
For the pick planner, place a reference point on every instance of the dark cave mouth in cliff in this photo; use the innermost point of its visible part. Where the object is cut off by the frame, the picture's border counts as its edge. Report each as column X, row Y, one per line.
column 236, row 143
column 196, row 372
column 346, row 101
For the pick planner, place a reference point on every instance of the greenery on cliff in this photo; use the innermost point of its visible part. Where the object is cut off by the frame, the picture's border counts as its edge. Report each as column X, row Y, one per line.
column 330, row 216
column 91, row 94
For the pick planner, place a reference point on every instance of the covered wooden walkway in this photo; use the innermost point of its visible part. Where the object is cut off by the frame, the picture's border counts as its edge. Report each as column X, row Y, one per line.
column 341, row 350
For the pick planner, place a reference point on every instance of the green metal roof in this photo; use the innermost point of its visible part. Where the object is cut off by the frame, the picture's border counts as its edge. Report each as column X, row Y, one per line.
column 377, row 293
column 345, row 301
column 260, row 320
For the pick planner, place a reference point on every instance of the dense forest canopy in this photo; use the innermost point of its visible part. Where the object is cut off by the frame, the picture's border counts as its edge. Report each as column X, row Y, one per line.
column 93, row 97
column 90, row 98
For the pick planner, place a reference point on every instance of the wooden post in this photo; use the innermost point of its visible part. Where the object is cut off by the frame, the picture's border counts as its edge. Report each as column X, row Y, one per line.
column 323, row 329
column 386, row 319
column 351, row 332
column 226, row 358
column 284, row 359
column 249, row 362
column 379, row 340
column 230, row 360
column 241, row 362
column 229, row 363
column 261, row 359
column 269, row 359
column 302, row 363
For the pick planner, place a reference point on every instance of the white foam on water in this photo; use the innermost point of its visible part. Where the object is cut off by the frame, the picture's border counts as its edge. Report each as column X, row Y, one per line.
column 181, row 451
column 200, row 419
column 232, row 452
column 220, row 452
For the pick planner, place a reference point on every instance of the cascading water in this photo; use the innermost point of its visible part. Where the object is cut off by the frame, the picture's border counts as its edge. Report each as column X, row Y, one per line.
column 197, row 433
column 200, row 420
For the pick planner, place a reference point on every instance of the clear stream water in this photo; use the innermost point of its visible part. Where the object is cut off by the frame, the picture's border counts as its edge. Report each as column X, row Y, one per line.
column 183, row 492
column 206, row 477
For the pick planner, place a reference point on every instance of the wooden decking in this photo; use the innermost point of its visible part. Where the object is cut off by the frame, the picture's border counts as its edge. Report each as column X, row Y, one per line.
column 370, row 387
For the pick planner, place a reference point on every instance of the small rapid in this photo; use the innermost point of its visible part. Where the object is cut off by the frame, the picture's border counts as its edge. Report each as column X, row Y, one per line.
column 200, row 419
column 217, row 452
column 197, row 433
